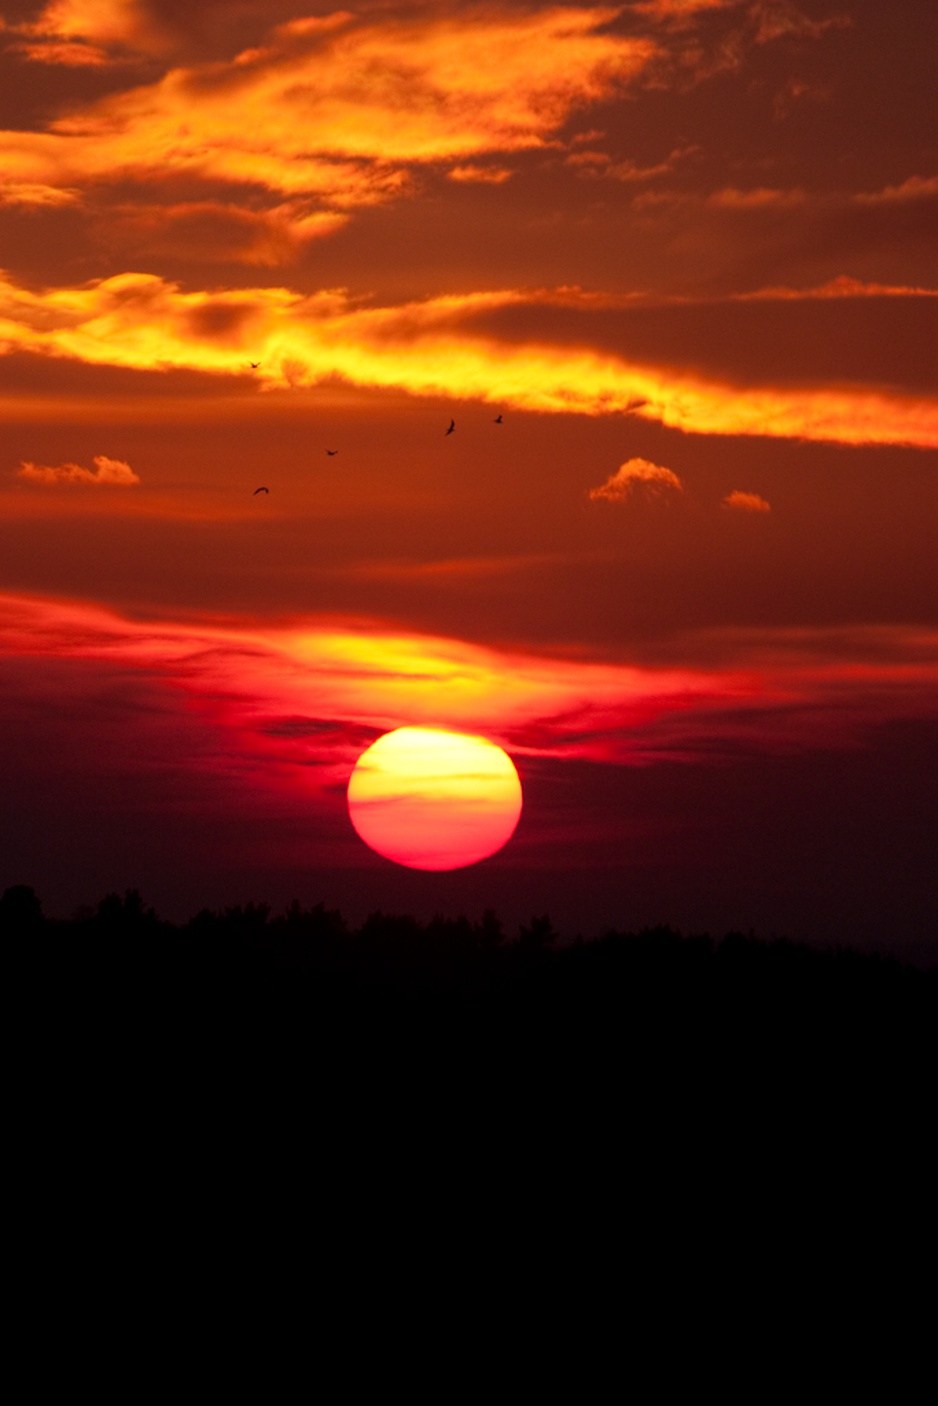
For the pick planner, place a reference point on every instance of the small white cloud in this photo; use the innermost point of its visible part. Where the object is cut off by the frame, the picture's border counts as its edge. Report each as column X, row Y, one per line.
column 637, row 474
column 106, row 471
column 746, row 502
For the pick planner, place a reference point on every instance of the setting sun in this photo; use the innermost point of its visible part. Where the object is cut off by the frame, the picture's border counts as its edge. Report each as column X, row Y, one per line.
column 432, row 799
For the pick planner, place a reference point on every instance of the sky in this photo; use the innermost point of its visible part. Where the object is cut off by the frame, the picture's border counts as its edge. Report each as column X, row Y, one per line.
column 670, row 268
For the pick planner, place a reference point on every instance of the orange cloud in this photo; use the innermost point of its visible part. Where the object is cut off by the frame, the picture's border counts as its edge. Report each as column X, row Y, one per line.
column 430, row 348
column 67, row 53
column 106, row 471
column 338, row 108
column 214, row 232
column 915, row 188
column 27, row 194
column 637, row 473
column 775, row 20
column 125, row 22
column 840, row 287
column 746, row 502
column 597, row 165
column 760, row 198
column 668, row 9
column 486, row 175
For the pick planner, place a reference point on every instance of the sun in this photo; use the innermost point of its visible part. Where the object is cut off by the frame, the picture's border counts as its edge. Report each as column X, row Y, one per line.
column 432, row 799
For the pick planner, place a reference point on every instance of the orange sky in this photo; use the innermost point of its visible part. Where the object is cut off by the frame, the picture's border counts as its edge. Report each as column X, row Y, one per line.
column 686, row 251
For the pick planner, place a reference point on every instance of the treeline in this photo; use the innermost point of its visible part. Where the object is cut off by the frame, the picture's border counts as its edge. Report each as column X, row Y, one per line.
column 396, row 957
column 309, row 1022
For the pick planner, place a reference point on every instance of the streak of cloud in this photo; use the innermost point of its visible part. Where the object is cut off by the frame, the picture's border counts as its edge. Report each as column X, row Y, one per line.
column 429, row 348
column 66, row 54
column 480, row 175
column 26, row 193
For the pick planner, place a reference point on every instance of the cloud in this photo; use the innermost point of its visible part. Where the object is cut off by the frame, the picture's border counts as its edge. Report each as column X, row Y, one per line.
column 212, row 231
column 760, row 198
column 428, row 348
column 486, row 175
column 113, row 472
column 66, row 53
column 840, row 287
column 637, row 474
column 125, row 23
column 746, row 502
column 914, row 189
column 597, row 165
column 775, row 19
column 269, row 692
column 680, row 9
column 339, row 108
column 27, row 194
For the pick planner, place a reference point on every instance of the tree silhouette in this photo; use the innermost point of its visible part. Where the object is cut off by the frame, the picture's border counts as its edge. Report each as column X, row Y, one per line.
column 20, row 910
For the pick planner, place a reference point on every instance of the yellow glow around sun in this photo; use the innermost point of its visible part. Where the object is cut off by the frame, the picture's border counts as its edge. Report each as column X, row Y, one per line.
column 432, row 799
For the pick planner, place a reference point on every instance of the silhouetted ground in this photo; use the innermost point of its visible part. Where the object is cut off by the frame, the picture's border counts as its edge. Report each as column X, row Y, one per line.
column 300, row 997
column 644, row 1112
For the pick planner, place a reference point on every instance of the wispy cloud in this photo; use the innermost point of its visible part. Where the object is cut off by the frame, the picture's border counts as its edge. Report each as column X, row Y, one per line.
column 26, row 193
column 66, row 53
column 216, row 232
column 914, row 189
column 302, row 698
column 110, row 472
column 637, row 474
column 759, row 198
column 840, row 287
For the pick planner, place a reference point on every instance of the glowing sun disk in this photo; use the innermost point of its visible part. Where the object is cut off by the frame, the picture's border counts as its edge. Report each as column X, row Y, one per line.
column 432, row 799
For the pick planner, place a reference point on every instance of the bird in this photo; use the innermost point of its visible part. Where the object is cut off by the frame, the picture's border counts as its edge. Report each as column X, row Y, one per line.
column 259, row 490
column 330, row 452
column 452, row 426
column 497, row 420
column 254, row 365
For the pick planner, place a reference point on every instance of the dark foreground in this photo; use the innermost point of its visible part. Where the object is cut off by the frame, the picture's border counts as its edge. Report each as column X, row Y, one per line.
column 299, row 1002
column 251, row 1089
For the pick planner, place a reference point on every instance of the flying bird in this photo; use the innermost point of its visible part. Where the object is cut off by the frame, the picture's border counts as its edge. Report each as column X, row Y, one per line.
column 452, row 426
column 497, row 420
column 259, row 490
column 330, row 452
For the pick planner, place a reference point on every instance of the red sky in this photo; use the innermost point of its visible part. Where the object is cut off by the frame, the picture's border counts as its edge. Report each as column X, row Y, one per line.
column 685, row 248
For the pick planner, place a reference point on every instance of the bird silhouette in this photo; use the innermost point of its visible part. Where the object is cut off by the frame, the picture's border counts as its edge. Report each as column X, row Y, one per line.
column 330, row 452
column 452, row 426
column 259, row 490
column 497, row 420
column 254, row 365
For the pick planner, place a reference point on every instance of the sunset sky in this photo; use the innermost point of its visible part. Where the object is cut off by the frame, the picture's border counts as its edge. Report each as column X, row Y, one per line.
column 685, row 249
